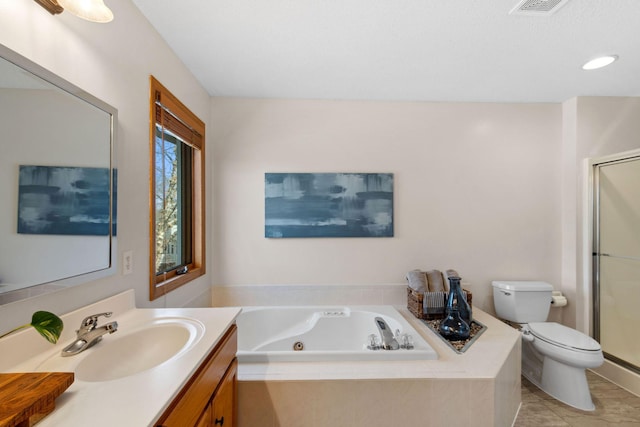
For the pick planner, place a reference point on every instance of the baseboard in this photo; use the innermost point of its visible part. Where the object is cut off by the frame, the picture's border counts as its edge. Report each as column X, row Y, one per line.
column 620, row 376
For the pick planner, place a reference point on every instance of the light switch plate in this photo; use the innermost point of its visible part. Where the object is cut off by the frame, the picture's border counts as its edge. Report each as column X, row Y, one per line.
column 127, row 263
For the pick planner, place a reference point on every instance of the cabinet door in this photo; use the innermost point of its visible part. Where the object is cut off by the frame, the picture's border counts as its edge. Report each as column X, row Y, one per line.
column 224, row 401
column 194, row 399
column 205, row 419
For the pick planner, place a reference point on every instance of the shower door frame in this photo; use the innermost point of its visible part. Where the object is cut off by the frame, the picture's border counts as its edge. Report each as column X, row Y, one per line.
column 594, row 213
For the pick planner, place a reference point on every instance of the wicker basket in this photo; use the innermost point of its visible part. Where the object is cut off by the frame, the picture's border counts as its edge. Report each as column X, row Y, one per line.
column 435, row 303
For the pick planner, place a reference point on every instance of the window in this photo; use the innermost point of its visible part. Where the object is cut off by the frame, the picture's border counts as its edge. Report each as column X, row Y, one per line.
column 177, row 193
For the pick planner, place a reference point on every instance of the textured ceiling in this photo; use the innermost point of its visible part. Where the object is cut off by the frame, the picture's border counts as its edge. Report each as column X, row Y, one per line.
column 417, row 50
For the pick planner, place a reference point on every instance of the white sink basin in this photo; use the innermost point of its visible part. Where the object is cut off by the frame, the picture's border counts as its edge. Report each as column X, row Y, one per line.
column 126, row 353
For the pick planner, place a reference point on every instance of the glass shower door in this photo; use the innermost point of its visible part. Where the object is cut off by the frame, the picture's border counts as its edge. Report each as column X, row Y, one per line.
column 617, row 260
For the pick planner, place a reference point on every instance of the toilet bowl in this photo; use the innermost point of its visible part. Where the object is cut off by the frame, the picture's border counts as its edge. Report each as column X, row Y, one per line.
column 554, row 356
column 556, row 361
column 566, row 345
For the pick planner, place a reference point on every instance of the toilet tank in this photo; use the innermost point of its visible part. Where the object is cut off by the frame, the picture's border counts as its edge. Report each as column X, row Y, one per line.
column 522, row 301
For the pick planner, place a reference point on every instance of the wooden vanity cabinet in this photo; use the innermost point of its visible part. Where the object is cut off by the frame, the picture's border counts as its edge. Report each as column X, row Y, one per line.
column 221, row 409
column 223, row 405
column 209, row 397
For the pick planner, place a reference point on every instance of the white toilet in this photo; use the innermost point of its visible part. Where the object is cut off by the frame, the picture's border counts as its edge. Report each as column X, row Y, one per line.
column 554, row 357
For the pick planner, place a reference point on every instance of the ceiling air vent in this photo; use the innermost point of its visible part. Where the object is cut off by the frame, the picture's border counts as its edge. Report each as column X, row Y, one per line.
column 537, row 7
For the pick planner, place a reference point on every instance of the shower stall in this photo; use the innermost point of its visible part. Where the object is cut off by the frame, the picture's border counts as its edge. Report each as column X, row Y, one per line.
column 616, row 259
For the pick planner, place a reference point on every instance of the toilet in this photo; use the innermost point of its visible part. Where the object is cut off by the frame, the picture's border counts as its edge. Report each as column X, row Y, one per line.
column 554, row 357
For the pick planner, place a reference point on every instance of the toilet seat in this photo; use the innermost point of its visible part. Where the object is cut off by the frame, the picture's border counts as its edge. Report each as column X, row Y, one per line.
column 562, row 336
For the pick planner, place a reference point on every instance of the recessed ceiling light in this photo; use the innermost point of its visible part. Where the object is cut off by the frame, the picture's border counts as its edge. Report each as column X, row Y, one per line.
column 599, row 62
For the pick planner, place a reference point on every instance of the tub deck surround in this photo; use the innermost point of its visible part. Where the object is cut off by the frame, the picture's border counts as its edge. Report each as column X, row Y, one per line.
column 484, row 359
column 117, row 402
column 486, row 379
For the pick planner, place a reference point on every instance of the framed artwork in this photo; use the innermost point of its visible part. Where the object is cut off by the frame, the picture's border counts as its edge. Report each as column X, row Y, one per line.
column 328, row 205
column 63, row 200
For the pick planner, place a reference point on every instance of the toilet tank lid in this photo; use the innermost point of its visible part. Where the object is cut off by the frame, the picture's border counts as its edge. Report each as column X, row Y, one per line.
column 522, row 285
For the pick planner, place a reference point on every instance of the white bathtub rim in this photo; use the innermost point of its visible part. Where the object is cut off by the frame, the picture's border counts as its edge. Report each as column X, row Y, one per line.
column 423, row 349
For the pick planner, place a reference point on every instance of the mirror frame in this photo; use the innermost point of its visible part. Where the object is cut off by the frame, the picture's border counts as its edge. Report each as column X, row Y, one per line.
column 63, row 283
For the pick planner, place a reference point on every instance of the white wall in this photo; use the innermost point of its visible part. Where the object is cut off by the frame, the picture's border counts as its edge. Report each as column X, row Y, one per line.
column 112, row 62
column 477, row 188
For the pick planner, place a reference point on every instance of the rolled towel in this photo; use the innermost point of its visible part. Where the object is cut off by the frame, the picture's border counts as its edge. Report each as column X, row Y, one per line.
column 452, row 273
column 436, row 281
column 417, row 280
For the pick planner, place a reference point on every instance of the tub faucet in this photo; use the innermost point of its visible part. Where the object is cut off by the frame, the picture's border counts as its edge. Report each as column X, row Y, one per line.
column 388, row 341
column 89, row 334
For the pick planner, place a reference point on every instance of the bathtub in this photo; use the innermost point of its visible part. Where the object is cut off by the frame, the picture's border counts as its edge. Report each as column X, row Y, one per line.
column 322, row 333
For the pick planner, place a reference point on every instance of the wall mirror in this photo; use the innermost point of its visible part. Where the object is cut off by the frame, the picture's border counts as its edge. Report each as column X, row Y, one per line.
column 57, row 182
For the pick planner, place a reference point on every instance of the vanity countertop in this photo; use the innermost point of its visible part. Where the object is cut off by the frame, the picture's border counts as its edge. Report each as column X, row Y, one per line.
column 136, row 400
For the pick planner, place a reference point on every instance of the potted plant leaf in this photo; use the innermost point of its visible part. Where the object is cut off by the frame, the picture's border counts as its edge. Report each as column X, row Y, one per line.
column 47, row 324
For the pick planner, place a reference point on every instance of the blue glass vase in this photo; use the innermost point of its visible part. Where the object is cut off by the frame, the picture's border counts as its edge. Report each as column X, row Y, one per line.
column 456, row 297
column 456, row 324
column 453, row 327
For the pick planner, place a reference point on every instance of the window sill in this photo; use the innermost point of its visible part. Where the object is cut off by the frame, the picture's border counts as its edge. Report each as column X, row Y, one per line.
column 161, row 288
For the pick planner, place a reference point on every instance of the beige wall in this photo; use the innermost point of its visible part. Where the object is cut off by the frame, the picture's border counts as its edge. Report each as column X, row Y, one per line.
column 476, row 189
column 112, row 62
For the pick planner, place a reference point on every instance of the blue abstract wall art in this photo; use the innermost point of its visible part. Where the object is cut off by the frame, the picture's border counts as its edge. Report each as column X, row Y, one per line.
column 328, row 205
column 63, row 200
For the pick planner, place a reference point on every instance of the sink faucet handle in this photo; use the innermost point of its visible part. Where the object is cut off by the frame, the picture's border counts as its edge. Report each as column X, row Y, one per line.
column 92, row 321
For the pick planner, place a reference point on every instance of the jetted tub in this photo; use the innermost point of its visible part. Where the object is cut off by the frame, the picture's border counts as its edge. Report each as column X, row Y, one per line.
column 322, row 333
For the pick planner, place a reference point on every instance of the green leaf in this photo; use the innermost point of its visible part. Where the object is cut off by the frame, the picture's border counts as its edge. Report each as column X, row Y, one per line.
column 48, row 325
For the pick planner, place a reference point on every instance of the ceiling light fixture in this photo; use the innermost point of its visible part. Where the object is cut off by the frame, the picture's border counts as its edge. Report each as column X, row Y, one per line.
column 600, row 62
column 91, row 10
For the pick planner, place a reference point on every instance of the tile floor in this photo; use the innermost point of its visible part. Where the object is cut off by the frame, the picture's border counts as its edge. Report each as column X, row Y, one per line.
column 614, row 407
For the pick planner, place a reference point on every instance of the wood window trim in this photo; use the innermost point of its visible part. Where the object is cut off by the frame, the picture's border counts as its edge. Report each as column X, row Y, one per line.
column 161, row 285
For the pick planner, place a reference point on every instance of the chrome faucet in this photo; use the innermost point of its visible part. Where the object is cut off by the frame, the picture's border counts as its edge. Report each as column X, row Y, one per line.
column 388, row 341
column 89, row 334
